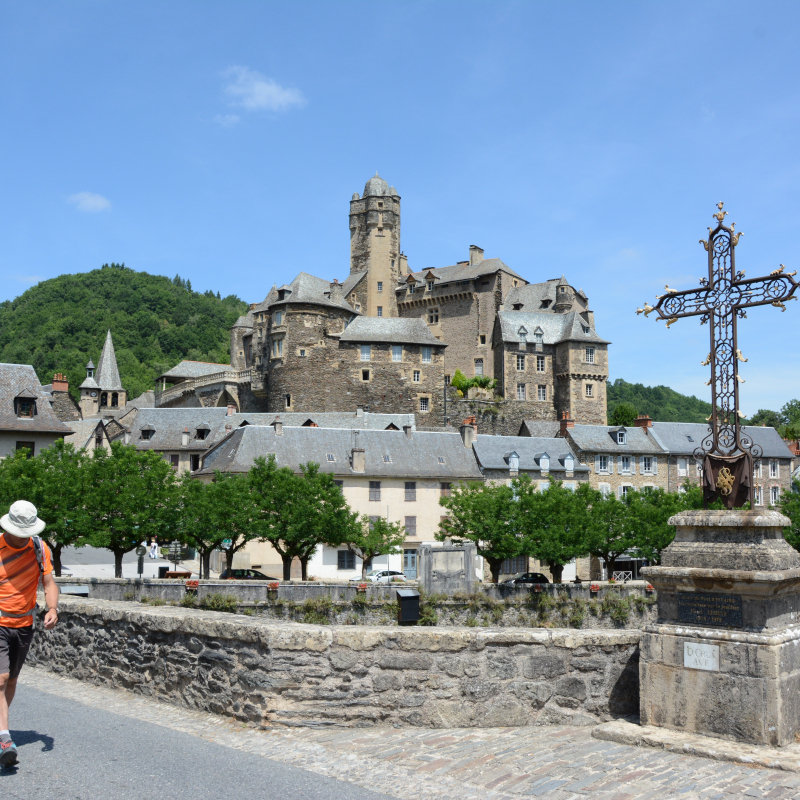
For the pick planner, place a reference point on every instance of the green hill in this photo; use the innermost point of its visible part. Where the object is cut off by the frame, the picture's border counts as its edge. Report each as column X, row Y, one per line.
column 661, row 403
column 59, row 324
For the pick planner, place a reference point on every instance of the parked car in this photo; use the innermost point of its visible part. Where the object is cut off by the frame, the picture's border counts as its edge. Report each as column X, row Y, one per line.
column 245, row 575
column 382, row 576
column 527, row 578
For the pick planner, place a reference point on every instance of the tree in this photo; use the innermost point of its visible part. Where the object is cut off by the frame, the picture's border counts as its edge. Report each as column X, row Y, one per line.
column 54, row 483
column 552, row 523
column 624, row 414
column 609, row 532
column 374, row 537
column 130, row 496
column 790, row 412
column 790, row 506
column 484, row 514
column 649, row 511
column 772, row 419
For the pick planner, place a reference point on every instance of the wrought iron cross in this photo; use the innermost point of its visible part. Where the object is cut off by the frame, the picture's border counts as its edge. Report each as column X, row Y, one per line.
column 720, row 300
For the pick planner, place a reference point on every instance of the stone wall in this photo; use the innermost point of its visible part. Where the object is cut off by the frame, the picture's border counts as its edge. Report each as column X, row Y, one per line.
column 271, row 673
column 573, row 374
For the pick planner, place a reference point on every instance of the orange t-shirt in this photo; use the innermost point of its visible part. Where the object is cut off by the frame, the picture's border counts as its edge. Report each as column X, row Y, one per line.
column 19, row 580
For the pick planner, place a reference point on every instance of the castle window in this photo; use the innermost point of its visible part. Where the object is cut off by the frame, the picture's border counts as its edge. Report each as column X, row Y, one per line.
column 647, row 464
column 380, row 311
column 426, row 355
column 288, row 401
column 201, row 433
column 540, row 363
column 387, row 459
column 416, row 376
column 411, row 288
column 397, row 352
column 302, row 353
column 380, row 203
column 482, row 338
column 331, row 457
column 590, row 390
column 365, row 352
column 430, row 286
column 277, row 348
column 515, row 284
column 520, row 363
column 545, row 304
column 446, row 380
column 433, row 316
column 423, row 404
column 392, row 262
column 278, row 317
column 563, row 289
column 541, row 392
column 358, row 307
column 585, row 328
column 517, row 306
column 590, row 355
column 380, row 286
column 479, row 366
column 365, row 375
column 520, row 391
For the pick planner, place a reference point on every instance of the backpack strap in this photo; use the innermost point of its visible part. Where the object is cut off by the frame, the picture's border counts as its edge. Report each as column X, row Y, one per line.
column 39, row 550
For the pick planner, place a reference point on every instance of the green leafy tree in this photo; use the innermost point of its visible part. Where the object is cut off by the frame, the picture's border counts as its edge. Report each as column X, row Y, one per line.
column 129, row 497
column 237, row 504
column 374, row 537
column 54, row 483
column 485, row 515
column 658, row 402
column 623, row 414
column 790, row 506
column 648, row 513
column 772, row 419
column 610, row 532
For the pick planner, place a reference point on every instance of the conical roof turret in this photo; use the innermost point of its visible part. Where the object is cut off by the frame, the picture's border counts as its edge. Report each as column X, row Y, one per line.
column 107, row 375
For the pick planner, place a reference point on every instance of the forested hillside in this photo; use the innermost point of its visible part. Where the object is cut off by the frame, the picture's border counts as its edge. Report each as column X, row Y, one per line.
column 59, row 324
column 661, row 403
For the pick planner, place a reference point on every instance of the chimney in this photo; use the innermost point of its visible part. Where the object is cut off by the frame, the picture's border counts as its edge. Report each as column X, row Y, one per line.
column 475, row 254
column 228, row 429
column 185, row 438
column 566, row 422
column 278, row 425
column 126, row 437
column 407, row 430
column 359, row 461
column 231, row 409
column 60, row 383
column 469, row 431
column 403, row 264
column 337, row 293
column 360, row 411
column 643, row 421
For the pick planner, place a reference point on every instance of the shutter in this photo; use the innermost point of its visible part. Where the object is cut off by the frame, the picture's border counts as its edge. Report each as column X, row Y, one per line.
column 777, row 468
column 655, row 465
column 641, row 465
column 596, row 463
column 619, row 493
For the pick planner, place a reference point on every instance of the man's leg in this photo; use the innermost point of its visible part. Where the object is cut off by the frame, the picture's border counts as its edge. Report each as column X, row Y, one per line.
column 7, row 685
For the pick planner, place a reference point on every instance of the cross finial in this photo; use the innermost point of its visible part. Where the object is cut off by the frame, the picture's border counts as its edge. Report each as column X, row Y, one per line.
column 720, row 215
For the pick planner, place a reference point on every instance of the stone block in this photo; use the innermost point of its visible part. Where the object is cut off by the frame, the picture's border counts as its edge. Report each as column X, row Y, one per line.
column 544, row 665
column 394, row 660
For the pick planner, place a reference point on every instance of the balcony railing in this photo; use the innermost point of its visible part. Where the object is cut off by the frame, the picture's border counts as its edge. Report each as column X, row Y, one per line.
column 226, row 376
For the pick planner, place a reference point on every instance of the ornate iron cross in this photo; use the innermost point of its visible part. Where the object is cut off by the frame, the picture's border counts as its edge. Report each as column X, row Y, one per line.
column 721, row 299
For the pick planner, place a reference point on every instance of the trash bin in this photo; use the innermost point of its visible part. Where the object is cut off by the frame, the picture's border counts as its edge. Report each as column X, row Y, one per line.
column 407, row 606
column 162, row 571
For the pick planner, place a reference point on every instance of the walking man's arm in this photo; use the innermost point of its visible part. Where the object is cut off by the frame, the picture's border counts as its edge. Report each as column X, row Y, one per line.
column 51, row 592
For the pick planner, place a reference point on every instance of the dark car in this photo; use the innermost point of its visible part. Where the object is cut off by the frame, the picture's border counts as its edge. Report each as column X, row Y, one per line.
column 527, row 577
column 245, row 575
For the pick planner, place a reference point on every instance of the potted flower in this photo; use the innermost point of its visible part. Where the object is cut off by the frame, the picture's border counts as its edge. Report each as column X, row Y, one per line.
column 273, row 587
column 594, row 588
column 362, row 587
column 649, row 588
column 537, row 587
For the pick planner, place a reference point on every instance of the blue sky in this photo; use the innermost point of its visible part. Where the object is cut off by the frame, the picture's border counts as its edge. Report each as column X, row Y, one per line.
column 223, row 140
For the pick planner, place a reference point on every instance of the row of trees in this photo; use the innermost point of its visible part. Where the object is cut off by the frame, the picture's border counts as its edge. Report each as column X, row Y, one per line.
column 119, row 499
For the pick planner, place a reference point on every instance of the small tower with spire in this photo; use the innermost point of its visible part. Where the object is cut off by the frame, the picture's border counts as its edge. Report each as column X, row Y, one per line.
column 102, row 390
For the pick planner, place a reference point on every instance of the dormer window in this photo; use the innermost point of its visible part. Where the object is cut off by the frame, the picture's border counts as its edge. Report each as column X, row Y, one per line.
column 585, row 328
column 331, row 457
column 430, row 286
column 513, row 461
column 201, row 433
column 544, row 462
column 523, row 337
column 621, row 437
column 538, row 336
column 517, row 306
column 25, row 407
column 147, row 433
column 387, row 459
column 569, row 463
column 546, row 303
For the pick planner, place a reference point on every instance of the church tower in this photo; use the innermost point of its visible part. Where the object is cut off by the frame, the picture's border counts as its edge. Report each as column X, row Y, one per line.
column 375, row 245
column 102, row 391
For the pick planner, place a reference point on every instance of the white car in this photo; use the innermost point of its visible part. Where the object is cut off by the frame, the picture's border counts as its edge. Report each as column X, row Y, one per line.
column 382, row 576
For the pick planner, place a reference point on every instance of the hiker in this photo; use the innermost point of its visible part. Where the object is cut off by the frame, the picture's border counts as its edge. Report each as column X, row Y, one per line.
column 24, row 558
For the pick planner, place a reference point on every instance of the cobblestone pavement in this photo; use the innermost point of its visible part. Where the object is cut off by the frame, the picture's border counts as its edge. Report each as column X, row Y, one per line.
column 555, row 763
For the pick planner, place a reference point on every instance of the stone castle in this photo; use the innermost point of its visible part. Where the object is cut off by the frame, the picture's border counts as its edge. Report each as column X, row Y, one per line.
column 389, row 339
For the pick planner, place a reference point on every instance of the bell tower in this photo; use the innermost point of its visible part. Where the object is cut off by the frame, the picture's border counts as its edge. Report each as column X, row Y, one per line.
column 375, row 244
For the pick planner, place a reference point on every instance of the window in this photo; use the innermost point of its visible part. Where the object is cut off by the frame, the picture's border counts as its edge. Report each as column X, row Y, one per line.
column 416, row 376
column 544, row 462
column 340, row 484
column 520, row 391
column 375, row 491
column 433, row 316
column 278, row 317
column 147, row 435
column 563, row 289
column 397, row 352
column 430, row 286
column 302, row 353
column 114, row 400
column 174, row 461
column 98, row 440
column 25, row 407
column 479, row 366
column 604, row 489
column 445, row 489
column 29, row 446
column 380, row 286
column 774, row 495
column 482, row 338
column 538, row 337
column 410, row 525
column 520, row 363
column 201, row 434
column 540, row 363
column 411, row 288
column 446, row 380
column 602, row 463
column 194, row 462
column 365, row 375
column 523, row 338
column 590, row 390
column 569, row 463
column 757, row 469
column 625, row 464
column 345, row 559
column 427, row 355
column 623, row 491
column 541, row 393
column 773, row 469
column 683, row 467
column 589, row 355
column 647, row 464
column 288, row 401
column 759, row 496
column 423, row 404
column 104, row 399
column 365, row 352
column 411, row 492
column 440, row 459
column 620, row 437
column 330, row 457
column 585, row 328
column 387, row 459
column 511, row 566
column 380, row 311
column 277, row 348
column 570, row 487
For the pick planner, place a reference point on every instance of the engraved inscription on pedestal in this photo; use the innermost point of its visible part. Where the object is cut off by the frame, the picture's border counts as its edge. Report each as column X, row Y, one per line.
column 714, row 610
column 699, row 655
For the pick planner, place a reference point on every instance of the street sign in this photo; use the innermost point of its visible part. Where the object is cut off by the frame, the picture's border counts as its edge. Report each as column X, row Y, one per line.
column 226, row 543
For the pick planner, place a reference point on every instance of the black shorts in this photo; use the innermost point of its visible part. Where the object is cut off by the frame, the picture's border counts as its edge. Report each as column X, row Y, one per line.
column 14, row 646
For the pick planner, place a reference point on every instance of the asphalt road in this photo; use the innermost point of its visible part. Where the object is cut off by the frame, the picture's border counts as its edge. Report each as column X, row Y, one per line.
column 97, row 555
column 69, row 751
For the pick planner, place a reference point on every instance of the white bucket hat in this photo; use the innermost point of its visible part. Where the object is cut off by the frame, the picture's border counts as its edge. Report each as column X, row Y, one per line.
column 22, row 520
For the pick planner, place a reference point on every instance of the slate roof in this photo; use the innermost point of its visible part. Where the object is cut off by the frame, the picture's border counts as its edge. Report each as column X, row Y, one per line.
column 674, row 436
column 555, row 327
column 492, row 453
column 532, row 295
column 461, row 272
column 351, row 281
column 602, row 439
column 416, row 456
column 194, row 369
column 14, row 380
column 544, row 429
column 307, row 288
column 395, row 330
column 82, row 432
column 107, row 375
column 376, row 187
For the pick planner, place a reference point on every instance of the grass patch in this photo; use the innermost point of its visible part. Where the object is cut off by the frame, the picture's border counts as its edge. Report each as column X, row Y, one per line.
column 220, row 602
column 129, row 596
column 317, row 610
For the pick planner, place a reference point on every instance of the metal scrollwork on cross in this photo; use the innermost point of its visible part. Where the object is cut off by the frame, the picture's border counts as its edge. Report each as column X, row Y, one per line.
column 723, row 298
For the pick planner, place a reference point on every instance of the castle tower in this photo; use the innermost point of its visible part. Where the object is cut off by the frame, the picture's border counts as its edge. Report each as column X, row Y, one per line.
column 375, row 244
column 102, row 390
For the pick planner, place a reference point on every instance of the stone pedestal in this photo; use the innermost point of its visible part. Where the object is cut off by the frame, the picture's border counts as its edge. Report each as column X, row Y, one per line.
column 447, row 569
column 723, row 659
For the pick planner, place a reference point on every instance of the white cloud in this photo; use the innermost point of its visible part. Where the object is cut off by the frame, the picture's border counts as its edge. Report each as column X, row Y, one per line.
column 88, row 201
column 27, row 278
column 256, row 92
column 226, row 120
